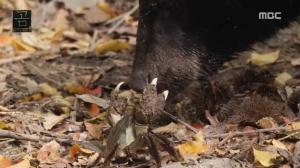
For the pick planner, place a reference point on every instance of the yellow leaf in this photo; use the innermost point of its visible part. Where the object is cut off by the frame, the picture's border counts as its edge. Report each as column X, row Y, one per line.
column 48, row 90
column 105, row 7
column 86, row 151
column 2, row 125
column 199, row 137
column 282, row 78
column 220, row 152
column 265, row 158
column 113, row 45
column 34, row 41
column 73, row 89
column 34, row 97
column 192, row 148
column 53, row 35
column 264, row 59
column 279, row 144
column 295, row 126
column 20, row 46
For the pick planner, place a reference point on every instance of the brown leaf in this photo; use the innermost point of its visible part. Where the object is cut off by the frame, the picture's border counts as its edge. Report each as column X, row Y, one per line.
column 93, row 129
column 49, row 153
column 60, row 21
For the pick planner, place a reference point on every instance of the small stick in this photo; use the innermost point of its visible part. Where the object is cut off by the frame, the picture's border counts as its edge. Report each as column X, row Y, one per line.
column 182, row 122
column 288, row 136
column 226, row 139
column 25, row 57
column 34, row 138
column 238, row 133
column 122, row 18
column 19, row 136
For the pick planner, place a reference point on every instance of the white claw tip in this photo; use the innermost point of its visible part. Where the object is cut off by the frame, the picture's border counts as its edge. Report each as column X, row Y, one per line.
column 166, row 93
column 154, row 81
column 119, row 86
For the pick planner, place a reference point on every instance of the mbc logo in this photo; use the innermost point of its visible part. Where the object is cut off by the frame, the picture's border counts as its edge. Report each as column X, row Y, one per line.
column 269, row 15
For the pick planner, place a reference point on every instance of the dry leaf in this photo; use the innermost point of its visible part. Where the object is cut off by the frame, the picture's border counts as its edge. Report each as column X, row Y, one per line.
column 48, row 90
column 267, row 122
column 283, row 77
column 25, row 163
column 94, row 109
column 49, row 153
column 170, row 128
column 264, row 59
column 295, row 62
column 74, row 150
column 279, row 144
column 5, row 162
column 32, row 40
column 195, row 147
column 21, row 5
column 231, row 151
column 53, row 36
column 94, row 100
column 87, row 151
column 34, row 97
column 220, row 152
column 94, row 130
column 113, row 45
column 2, row 125
column 74, row 89
column 77, row 45
column 192, row 148
column 127, row 137
column 105, row 7
column 60, row 21
column 265, row 158
column 94, row 15
column 20, row 46
column 294, row 127
column 5, row 39
column 51, row 120
column 289, row 91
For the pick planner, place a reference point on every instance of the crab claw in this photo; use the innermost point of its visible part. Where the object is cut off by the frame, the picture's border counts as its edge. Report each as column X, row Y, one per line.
column 165, row 93
column 154, row 81
column 117, row 88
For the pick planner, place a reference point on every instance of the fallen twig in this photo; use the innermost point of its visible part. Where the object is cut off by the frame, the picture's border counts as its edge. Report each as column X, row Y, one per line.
column 34, row 138
column 238, row 133
column 188, row 126
column 120, row 19
column 288, row 136
column 24, row 57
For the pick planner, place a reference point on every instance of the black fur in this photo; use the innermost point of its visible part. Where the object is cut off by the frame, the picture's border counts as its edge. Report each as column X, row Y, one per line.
column 180, row 41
